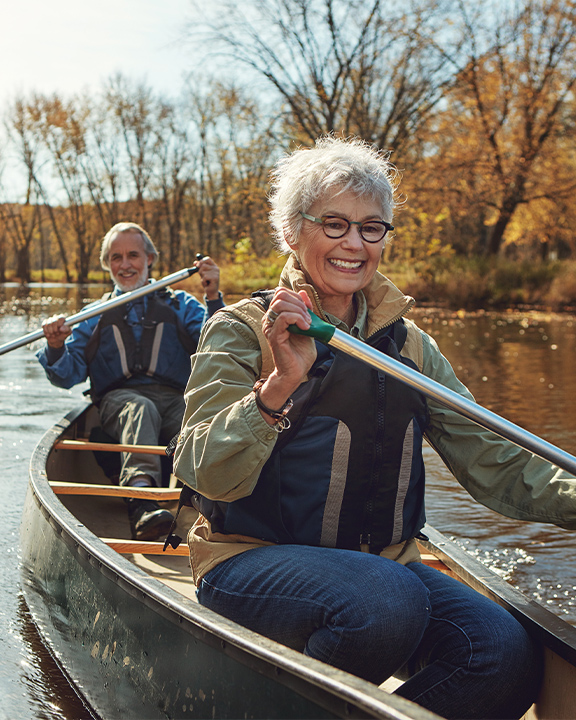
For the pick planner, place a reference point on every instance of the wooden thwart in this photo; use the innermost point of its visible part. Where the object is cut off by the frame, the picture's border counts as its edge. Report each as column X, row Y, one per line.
column 433, row 561
column 109, row 447
column 126, row 547
column 143, row 547
column 144, row 493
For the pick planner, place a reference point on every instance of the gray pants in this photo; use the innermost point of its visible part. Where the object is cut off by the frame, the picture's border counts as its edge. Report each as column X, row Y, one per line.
column 142, row 415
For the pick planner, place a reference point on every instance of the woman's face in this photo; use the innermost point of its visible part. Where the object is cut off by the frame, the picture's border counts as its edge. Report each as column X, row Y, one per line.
column 339, row 267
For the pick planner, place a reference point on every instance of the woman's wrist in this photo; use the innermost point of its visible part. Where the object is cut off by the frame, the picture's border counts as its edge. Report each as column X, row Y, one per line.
column 276, row 410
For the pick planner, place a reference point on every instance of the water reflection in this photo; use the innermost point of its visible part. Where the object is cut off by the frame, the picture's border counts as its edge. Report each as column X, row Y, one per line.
column 520, row 367
column 49, row 694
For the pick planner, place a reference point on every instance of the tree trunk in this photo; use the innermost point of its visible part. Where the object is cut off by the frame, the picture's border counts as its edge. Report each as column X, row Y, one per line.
column 23, row 264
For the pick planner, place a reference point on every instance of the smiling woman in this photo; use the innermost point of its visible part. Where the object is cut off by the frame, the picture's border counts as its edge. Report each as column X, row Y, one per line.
column 307, row 465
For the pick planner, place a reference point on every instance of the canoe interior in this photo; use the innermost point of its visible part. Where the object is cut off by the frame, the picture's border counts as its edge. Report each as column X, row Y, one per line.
column 107, row 517
column 293, row 688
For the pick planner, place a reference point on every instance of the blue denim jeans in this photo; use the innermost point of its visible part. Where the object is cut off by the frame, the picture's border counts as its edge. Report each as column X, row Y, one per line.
column 463, row 655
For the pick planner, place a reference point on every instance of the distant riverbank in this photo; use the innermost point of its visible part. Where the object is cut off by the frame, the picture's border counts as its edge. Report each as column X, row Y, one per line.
column 452, row 283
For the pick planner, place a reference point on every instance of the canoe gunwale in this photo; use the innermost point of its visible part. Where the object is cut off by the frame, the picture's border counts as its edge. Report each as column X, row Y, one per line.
column 548, row 628
column 333, row 689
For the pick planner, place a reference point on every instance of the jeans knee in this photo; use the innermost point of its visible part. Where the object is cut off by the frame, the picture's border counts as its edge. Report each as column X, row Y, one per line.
column 378, row 625
column 391, row 608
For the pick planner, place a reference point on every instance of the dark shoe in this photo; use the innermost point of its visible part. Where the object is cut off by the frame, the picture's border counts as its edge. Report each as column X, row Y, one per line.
column 148, row 521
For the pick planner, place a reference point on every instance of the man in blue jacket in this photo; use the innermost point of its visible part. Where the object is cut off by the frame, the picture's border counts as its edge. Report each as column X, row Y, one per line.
column 137, row 358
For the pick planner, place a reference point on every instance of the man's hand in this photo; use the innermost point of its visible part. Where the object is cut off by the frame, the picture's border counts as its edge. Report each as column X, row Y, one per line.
column 210, row 276
column 56, row 331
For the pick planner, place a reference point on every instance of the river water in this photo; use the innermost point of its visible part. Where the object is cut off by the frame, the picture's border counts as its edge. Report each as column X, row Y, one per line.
column 520, row 365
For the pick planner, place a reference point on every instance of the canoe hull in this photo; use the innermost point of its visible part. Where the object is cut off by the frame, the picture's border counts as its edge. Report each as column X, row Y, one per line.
column 134, row 648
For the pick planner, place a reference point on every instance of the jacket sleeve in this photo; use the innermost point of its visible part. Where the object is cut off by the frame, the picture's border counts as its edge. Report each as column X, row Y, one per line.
column 213, row 305
column 70, row 368
column 224, row 440
column 496, row 472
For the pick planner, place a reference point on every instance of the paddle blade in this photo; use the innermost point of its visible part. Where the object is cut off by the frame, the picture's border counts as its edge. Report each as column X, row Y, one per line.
column 319, row 329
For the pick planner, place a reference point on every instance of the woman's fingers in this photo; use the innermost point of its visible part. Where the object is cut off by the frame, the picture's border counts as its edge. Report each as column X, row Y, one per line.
column 290, row 307
column 293, row 354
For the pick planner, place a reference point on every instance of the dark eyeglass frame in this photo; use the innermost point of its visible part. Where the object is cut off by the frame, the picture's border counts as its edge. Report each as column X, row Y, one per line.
column 322, row 221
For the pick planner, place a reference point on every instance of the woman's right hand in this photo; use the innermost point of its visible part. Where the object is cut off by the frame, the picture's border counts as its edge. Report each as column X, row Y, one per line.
column 293, row 354
column 56, row 331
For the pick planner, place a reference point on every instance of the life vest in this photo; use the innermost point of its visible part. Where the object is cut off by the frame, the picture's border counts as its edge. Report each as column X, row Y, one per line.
column 349, row 472
column 162, row 354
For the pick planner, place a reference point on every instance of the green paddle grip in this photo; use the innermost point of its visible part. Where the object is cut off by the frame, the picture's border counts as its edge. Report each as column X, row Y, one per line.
column 319, row 329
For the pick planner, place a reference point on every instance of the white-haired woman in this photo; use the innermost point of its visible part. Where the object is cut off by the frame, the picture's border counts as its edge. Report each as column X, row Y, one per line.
column 307, row 465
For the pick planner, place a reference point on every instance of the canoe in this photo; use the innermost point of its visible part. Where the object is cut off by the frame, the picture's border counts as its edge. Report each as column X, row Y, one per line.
column 122, row 621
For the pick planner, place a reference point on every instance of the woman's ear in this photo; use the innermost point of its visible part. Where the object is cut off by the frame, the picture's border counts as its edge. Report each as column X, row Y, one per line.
column 289, row 239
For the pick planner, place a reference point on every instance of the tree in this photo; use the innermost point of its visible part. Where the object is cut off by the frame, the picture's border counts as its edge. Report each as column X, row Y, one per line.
column 173, row 174
column 62, row 126
column 507, row 107
column 235, row 149
column 134, row 109
column 368, row 67
column 20, row 220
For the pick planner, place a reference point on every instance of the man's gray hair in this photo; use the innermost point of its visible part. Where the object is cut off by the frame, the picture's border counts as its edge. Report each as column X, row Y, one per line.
column 149, row 247
column 303, row 176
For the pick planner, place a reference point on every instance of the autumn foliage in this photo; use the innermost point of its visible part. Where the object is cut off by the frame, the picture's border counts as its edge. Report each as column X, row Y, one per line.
column 473, row 101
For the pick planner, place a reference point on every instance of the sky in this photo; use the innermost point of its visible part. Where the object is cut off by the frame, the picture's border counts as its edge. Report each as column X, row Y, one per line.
column 68, row 46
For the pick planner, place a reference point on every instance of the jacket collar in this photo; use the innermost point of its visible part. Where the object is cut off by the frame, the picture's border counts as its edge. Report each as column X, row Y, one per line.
column 386, row 303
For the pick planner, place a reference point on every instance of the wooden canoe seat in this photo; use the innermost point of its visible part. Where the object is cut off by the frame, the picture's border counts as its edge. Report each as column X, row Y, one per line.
column 82, row 444
column 123, row 491
column 144, row 547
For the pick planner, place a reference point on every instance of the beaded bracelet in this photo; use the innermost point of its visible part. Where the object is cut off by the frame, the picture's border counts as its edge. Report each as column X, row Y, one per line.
column 282, row 421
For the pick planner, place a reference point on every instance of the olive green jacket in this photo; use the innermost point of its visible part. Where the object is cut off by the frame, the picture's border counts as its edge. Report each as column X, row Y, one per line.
column 225, row 441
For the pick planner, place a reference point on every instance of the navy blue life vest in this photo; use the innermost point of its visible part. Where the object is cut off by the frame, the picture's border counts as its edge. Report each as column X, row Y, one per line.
column 349, row 472
column 162, row 354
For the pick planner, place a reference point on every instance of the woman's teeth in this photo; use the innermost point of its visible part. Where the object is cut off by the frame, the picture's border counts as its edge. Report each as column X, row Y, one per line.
column 346, row 264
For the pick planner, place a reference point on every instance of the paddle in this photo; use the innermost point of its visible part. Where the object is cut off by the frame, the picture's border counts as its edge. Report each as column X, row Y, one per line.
column 99, row 308
column 329, row 335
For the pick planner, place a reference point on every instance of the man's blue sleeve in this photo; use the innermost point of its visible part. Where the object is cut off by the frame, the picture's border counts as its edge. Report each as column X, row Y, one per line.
column 213, row 305
column 70, row 368
column 193, row 314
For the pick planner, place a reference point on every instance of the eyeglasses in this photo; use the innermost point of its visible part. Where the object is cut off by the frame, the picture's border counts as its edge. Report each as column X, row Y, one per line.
column 371, row 231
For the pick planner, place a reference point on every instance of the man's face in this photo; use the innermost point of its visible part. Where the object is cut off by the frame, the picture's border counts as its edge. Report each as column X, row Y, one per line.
column 128, row 261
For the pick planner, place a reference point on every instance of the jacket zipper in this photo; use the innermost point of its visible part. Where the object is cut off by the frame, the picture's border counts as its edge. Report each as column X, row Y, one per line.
column 365, row 534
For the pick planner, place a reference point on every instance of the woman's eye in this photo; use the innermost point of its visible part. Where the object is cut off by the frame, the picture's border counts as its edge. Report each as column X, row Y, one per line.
column 335, row 224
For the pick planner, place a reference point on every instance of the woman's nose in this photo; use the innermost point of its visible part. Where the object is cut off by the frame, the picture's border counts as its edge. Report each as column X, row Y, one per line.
column 353, row 239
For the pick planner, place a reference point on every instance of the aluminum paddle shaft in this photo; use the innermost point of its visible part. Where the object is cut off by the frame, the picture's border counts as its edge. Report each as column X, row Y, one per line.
column 99, row 308
column 330, row 335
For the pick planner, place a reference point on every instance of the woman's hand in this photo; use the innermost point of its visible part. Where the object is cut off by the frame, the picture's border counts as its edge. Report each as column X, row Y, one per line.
column 293, row 354
column 56, row 331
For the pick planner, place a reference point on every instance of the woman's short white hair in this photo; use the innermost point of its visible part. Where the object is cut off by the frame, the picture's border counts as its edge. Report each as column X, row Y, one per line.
column 149, row 247
column 303, row 176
